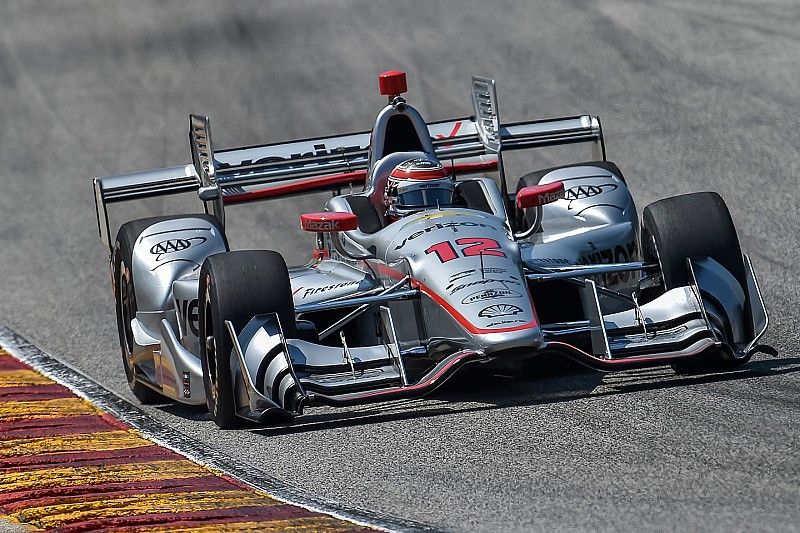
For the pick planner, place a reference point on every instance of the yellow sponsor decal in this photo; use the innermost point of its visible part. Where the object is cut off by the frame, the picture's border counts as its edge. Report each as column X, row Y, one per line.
column 10, row 411
column 66, row 476
column 22, row 378
column 53, row 516
column 109, row 440
column 429, row 216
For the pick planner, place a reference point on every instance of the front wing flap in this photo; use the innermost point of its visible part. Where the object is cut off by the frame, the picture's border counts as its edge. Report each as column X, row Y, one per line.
column 712, row 312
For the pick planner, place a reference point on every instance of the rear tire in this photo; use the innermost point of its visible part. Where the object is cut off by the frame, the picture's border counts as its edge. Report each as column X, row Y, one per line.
column 125, row 296
column 691, row 225
column 236, row 286
column 125, row 300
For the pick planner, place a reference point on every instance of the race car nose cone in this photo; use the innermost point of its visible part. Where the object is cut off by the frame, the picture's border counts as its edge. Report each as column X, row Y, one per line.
column 392, row 82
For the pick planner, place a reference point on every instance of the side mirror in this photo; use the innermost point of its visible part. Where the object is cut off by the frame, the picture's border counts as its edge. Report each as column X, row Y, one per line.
column 537, row 195
column 328, row 221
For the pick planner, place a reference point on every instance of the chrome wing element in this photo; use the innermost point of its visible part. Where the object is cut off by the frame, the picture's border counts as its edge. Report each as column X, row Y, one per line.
column 203, row 160
column 275, row 377
column 236, row 175
column 711, row 312
column 268, row 384
column 487, row 115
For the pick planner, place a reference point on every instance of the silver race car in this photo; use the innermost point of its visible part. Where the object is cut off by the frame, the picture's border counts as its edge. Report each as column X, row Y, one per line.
column 433, row 265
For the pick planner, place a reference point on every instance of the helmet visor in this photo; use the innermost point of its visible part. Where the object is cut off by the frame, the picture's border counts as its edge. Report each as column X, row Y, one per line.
column 425, row 197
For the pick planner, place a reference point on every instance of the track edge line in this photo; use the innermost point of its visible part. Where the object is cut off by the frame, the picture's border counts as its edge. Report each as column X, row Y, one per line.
column 163, row 435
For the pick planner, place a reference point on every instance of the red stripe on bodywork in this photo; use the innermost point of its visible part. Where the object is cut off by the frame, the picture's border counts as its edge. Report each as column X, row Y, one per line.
column 191, row 518
column 338, row 180
column 105, row 457
column 428, row 382
column 54, row 427
column 385, row 270
column 84, row 493
column 469, row 326
column 467, row 168
column 29, row 393
column 452, row 133
column 309, row 185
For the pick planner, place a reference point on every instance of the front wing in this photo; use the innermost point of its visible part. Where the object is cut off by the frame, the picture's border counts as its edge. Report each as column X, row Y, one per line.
column 278, row 377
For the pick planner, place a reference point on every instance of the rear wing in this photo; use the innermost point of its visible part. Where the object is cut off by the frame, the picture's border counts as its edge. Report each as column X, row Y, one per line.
column 237, row 175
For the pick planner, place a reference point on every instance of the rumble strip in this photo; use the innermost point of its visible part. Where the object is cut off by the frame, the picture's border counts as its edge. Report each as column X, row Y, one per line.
column 71, row 465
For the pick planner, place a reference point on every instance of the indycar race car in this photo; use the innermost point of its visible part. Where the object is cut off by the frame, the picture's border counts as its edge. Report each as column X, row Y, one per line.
column 433, row 265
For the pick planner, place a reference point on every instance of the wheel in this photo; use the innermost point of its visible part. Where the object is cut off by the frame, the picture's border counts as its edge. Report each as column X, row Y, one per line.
column 125, row 297
column 691, row 225
column 236, row 286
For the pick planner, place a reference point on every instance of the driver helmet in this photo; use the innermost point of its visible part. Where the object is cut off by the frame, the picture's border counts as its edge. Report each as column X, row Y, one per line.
column 418, row 184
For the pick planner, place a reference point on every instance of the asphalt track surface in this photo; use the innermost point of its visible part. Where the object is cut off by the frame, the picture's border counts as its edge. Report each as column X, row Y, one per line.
column 693, row 96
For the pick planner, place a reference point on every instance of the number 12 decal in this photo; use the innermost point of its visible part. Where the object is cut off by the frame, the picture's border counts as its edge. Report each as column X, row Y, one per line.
column 471, row 246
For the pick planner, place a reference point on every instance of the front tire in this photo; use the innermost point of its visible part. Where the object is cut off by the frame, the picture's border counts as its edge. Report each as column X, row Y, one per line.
column 686, row 226
column 236, row 286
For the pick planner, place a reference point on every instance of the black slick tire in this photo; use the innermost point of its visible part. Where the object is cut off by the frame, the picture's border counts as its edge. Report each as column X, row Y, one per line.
column 691, row 225
column 236, row 286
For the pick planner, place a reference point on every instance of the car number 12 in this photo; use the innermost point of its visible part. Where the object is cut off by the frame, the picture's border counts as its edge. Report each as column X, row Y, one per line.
column 470, row 246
